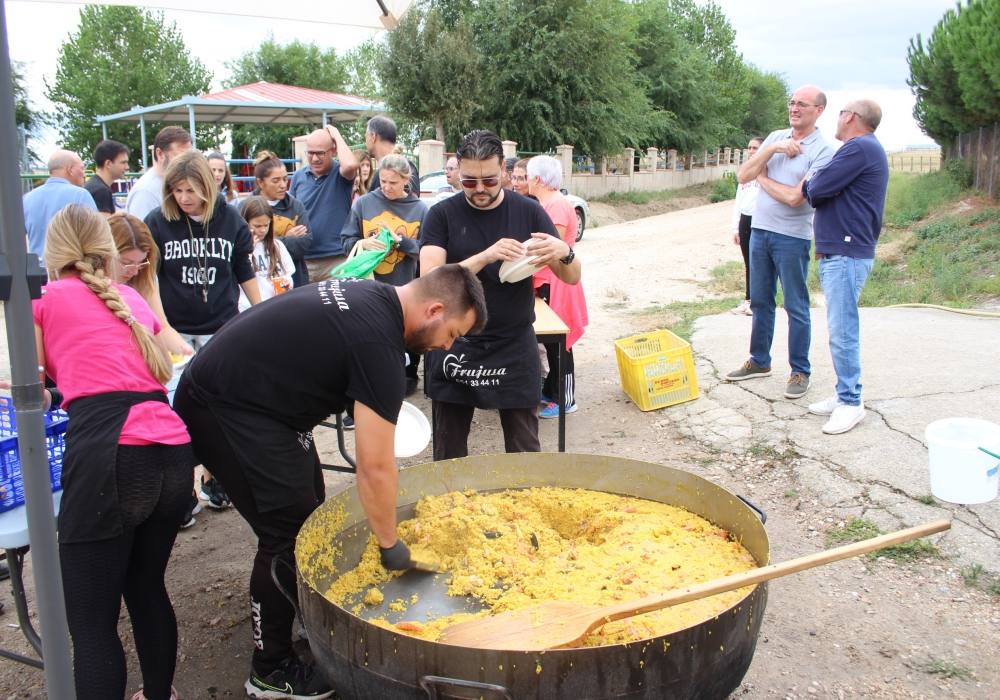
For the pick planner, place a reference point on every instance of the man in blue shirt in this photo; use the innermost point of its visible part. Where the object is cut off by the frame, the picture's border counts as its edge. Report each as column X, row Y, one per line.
column 325, row 189
column 64, row 186
column 849, row 196
column 780, row 238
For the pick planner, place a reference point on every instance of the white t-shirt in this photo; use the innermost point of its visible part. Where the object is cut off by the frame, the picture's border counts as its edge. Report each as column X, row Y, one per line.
column 145, row 195
column 261, row 263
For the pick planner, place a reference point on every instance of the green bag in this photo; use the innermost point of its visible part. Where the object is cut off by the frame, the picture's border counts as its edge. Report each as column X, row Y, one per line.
column 360, row 263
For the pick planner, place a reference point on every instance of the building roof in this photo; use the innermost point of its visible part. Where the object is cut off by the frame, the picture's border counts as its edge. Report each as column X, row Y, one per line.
column 256, row 103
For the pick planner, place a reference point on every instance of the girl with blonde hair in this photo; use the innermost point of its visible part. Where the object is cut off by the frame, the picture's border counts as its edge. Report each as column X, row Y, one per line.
column 137, row 262
column 128, row 465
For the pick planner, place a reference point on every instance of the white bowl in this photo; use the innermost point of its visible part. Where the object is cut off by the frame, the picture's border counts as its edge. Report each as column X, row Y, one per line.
column 413, row 431
column 516, row 270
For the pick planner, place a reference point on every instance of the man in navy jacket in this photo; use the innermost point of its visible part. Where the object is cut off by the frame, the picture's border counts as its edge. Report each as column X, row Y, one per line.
column 849, row 197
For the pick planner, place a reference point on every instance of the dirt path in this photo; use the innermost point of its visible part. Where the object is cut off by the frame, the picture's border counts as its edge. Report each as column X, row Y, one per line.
column 852, row 629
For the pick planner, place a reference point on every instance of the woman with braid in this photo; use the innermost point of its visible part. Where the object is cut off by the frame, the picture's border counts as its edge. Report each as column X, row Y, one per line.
column 128, row 464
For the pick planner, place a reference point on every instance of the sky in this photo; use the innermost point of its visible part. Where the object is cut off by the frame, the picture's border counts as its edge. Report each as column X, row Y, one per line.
column 849, row 48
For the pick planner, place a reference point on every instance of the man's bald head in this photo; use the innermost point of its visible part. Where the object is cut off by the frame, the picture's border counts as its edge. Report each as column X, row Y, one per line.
column 67, row 165
column 320, row 151
column 868, row 112
column 804, row 108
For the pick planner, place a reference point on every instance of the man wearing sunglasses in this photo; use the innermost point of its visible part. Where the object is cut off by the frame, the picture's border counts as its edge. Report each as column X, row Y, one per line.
column 499, row 368
column 781, row 236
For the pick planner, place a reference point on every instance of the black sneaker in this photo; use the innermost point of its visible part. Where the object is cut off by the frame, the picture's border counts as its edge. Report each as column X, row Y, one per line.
column 347, row 422
column 194, row 507
column 290, row 681
column 214, row 495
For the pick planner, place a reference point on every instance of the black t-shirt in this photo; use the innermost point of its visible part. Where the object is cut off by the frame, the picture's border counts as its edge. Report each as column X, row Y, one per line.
column 464, row 231
column 103, row 197
column 300, row 356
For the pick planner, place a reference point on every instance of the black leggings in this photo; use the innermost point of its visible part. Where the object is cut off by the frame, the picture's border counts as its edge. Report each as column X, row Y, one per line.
column 154, row 485
column 745, row 249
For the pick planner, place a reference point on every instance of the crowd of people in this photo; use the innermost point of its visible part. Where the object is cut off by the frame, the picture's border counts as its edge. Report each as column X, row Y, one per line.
column 192, row 274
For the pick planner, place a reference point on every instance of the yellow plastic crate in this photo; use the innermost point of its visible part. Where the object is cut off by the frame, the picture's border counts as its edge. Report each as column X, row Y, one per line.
column 656, row 369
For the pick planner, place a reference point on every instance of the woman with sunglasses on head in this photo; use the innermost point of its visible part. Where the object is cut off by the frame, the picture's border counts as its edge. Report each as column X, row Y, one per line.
column 290, row 219
column 746, row 199
column 128, row 464
column 395, row 208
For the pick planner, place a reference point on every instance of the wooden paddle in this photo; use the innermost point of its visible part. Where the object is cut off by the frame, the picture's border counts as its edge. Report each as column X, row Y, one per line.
column 555, row 624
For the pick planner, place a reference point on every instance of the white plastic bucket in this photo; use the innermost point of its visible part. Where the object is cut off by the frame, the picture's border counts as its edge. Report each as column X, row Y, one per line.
column 960, row 472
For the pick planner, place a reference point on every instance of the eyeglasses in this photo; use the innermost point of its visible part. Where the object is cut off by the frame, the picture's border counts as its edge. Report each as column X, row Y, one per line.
column 451, row 168
column 133, row 268
column 317, row 154
column 849, row 111
column 472, row 182
column 800, row 104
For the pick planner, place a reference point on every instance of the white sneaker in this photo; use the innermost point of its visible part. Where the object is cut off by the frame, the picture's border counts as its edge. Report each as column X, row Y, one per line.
column 743, row 308
column 844, row 418
column 824, row 407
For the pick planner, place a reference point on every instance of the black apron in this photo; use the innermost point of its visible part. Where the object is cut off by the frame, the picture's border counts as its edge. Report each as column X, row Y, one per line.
column 89, row 510
column 487, row 372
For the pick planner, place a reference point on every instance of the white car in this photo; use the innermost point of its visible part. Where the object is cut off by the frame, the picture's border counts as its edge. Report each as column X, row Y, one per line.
column 434, row 187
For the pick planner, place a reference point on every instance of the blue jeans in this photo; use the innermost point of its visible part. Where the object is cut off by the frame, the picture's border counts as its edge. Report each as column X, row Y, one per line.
column 842, row 279
column 773, row 257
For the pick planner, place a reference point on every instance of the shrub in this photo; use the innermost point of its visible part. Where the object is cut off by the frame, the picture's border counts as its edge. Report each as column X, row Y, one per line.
column 724, row 189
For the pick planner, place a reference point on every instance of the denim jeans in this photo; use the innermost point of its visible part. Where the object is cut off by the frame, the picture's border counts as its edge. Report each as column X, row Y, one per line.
column 773, row 257
column 842, row 279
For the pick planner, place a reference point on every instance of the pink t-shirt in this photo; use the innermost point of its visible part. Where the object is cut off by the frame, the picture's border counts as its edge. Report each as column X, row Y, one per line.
column 562, row 214
column 89, row 351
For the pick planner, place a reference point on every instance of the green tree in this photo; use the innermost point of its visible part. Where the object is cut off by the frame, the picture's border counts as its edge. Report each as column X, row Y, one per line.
column 934, row 80
column 766, row 99
column 120, row 57
column 975, row 49
column 430, row 70
column 28, row 119
column 297, row 63
column 561, row 71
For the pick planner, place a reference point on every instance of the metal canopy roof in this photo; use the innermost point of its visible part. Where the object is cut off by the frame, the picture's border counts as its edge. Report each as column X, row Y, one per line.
column 257, row 103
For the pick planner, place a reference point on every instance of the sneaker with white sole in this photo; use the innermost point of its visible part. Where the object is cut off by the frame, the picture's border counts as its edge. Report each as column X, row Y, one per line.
column 551, row 410
column 797, row 386
column 743, row 309
column 824, row 407
column 188, row 519
column 213, row 494
column 748, row 370
column 843, row 418
column 293, row 680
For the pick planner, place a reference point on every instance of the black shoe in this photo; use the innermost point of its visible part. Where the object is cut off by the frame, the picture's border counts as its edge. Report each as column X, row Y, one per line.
column 411, row 386
column 194, row 507
column 292, row 680
column 347, row 422
column 214, row 494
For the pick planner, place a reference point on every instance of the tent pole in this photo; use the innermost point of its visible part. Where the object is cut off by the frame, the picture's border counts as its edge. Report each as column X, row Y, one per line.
column 104, row 132
column 27, row 392
column 194, row 141
column 142, row 136
column 326, row 119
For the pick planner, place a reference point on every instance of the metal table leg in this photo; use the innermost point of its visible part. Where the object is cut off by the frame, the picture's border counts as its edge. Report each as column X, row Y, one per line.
column 15, row 561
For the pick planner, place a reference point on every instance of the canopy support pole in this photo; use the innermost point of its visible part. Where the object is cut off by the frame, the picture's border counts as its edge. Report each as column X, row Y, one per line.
column 142, row 137
column 194, row 142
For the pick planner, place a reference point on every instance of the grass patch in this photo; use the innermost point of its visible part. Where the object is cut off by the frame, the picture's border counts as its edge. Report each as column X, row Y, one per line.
column 700, row 190
column 947, row 669
column 728, row 278
column 911, row 198
column 853, row 530
column 723, row 189
column 791, row 493
column 857, row 529
column 972, row 575
column 926, row 500
column 687, row 312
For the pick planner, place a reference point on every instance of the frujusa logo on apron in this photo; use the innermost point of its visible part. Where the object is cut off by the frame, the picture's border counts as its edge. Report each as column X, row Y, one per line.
column 479, row 376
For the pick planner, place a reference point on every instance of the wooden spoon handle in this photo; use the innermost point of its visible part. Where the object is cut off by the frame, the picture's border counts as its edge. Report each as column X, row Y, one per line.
column 766, row 573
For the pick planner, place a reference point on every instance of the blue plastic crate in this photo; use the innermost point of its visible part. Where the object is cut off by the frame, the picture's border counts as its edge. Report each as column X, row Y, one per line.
column 11, row 483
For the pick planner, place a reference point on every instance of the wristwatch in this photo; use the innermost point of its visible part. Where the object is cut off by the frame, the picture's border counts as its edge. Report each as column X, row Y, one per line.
column 569, row 258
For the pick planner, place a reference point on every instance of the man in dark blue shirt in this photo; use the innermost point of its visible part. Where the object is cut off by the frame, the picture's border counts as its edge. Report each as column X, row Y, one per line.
column 325, row 188
column 849, row 197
